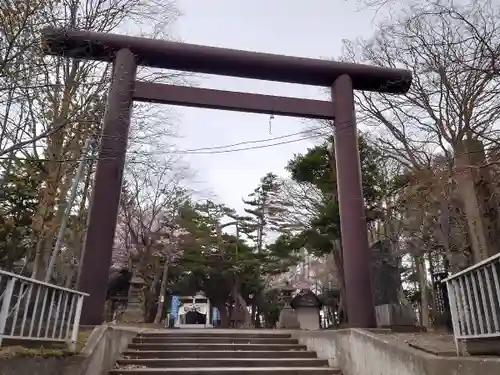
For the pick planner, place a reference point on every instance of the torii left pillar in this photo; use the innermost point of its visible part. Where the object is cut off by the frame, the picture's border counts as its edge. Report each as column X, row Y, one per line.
column 107, row 188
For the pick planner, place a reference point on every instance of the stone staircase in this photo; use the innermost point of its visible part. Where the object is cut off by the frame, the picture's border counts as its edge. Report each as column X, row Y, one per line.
column 213, row 351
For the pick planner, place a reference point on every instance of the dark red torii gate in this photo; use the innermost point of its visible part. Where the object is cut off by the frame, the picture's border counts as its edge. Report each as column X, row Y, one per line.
column 127, row 53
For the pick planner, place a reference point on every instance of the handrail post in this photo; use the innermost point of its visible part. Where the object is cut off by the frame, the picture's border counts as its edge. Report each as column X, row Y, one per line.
column 454, row 314
column 4, row 312
column 76, row 324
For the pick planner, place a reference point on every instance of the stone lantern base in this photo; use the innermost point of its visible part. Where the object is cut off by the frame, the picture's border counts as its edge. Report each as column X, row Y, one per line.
column 288, row 319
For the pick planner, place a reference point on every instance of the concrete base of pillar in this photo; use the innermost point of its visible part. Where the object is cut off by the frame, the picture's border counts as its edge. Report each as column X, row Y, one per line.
column 486, row 346
column 390, row 315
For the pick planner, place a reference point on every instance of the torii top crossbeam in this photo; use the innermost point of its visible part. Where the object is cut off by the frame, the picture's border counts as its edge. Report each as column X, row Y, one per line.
column 222, row 61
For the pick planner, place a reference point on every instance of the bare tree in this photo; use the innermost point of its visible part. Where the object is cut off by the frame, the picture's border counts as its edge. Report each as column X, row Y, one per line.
column 303, row 204
column 51, row 105
column 146, row 231
column 479, row 18
column 449, row 99
column 453, row 101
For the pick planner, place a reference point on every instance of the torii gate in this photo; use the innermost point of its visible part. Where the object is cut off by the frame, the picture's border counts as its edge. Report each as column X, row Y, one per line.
column 126, row 53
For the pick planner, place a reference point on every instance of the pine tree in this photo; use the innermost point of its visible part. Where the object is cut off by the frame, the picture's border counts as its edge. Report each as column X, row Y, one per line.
column 226, row 267
column 265, row 211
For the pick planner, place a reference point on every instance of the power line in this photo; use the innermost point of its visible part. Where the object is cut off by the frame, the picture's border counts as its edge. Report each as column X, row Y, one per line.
column 215, row 151
column 185, row 152
column 212, row 150
column 257, row 141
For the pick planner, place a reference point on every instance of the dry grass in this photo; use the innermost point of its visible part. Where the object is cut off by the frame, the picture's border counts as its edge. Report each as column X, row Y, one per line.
column 45, row 350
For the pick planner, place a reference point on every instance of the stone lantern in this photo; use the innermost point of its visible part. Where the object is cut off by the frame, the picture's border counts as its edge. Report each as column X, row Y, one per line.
column 288, row 317
column 307, row 306
column 287, row 294
column 134, row 313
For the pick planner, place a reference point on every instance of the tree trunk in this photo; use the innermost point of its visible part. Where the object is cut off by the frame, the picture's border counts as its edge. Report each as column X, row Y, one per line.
column 424, row 295
column 432, row 291
column 163, row 288
column 247, row 322
column 152, row 295
column 240, row 305
column 223, row 313
column 68, row 282
column 254, row 310
column 35, row 273
column 84, row 222
column 256, row 321
column 339, row 265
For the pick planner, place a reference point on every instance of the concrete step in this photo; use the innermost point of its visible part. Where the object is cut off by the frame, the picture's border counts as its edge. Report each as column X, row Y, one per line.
column 219, row 354
column 223, row 362
column 215, row 347
column 225, row 352
column 214, row 333
column 228, row 371
column 213, row 340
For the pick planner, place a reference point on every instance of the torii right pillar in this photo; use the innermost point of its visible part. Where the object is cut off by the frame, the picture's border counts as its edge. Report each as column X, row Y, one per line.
column 355, row 249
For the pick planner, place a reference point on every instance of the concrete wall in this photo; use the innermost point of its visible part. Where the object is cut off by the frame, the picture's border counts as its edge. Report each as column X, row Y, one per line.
column 104, row 346
column 359, row 352
column 41, row 366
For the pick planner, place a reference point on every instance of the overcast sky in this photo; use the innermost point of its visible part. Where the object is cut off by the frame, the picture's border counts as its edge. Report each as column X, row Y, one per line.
column 313, row 28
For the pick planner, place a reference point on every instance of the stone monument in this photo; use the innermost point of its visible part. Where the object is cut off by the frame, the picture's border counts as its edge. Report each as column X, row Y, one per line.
column 307, row 306
column 389, row 311
column 442, row 315
column 385, row 271
column 288, row 317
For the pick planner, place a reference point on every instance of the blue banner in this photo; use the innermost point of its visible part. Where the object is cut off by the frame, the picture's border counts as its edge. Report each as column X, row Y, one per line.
column 215, row 315
column 174, row 306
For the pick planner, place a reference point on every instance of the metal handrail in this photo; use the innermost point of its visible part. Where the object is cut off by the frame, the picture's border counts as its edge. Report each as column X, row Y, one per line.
column 474, row 298
column 35, row 281
column 52, row 315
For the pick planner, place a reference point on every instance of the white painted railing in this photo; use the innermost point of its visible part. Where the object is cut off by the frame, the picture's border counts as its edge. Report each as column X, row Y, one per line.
column 39, row 311
column 474, row 297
